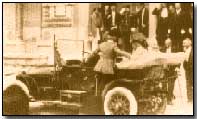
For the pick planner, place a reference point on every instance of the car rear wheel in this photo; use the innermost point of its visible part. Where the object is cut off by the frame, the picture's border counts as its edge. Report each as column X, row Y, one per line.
column 120, row 101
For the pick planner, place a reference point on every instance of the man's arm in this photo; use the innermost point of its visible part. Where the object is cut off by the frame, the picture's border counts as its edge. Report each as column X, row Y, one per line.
column 93, row 54
column 123, row 53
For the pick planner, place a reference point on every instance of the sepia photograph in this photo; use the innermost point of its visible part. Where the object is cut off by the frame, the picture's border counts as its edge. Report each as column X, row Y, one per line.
column 97, row 58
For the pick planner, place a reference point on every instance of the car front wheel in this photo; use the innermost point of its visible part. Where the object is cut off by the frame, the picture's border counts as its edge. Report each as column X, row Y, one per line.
column 15, row 101
column 120, row 101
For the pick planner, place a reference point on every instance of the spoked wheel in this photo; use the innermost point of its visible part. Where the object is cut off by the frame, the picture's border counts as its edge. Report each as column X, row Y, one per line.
column 161, row 102
column 120, row 101
column 156, row 105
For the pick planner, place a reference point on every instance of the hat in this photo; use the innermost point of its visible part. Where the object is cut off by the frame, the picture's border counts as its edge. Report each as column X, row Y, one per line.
column 110, row 37
column 138, row 37
column 141, row 39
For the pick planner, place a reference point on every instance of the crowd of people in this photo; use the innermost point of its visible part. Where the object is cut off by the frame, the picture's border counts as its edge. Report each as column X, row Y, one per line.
column 174, row 22
column 122, row 24
column 174, row 33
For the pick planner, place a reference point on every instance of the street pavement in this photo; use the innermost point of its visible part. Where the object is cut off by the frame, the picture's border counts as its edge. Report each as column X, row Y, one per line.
column 37, row 108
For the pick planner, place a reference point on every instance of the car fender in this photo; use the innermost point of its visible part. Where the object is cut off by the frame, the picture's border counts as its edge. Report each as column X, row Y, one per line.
column 11, row 81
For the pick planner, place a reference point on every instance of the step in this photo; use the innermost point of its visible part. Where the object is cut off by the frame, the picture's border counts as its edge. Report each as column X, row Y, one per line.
column 53, row 108
column 73, row 91
column 72, row 96
column 44, row 103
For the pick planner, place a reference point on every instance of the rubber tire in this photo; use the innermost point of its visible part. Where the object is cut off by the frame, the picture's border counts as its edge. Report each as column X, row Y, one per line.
column 127, row 93
column 15, row 101
column 162, row 109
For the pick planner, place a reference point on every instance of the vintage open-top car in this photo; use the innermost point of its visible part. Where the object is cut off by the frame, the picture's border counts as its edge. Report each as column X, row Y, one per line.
column 139, row 87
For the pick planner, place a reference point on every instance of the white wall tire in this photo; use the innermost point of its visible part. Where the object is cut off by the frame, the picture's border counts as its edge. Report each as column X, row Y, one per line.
column 126, row 99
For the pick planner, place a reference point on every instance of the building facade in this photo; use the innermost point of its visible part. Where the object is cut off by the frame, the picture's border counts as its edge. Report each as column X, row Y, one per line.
column 30, row 30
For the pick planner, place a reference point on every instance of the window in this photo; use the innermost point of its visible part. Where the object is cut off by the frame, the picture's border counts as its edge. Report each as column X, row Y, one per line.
column 57, row 15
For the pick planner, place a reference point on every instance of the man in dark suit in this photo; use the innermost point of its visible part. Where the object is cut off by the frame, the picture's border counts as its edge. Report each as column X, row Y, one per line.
column 188, row 66
column 162, row 14
column 106, row 17
column 125, row 26
column 188, row 10
column 114, row 21
column 178, row 27
column 143, row 17
column 170, row 71
column 95, row 22
column 95, row 25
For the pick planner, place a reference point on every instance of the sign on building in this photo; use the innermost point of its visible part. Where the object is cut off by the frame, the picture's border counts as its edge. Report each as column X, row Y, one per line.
column 57, row 15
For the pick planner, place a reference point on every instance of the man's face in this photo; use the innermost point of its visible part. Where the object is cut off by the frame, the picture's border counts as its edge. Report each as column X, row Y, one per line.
column 163, row 5
column 113, row 8
column 168, row 43
column 186, row 44
column 96, row 11
column 172, row 9
column 106, row 7
column 177, row 5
